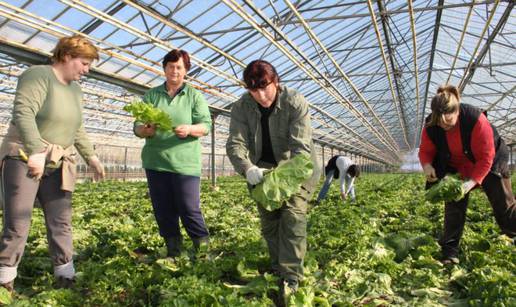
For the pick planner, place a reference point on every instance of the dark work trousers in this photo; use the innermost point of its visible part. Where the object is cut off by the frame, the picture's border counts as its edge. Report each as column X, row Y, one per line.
column 501, row 198
column 20, row 191
column 175, row 196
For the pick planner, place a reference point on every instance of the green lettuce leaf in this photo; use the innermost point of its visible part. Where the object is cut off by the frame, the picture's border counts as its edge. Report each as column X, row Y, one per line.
column 146, row 113
column 283, row 182
column 448, row 189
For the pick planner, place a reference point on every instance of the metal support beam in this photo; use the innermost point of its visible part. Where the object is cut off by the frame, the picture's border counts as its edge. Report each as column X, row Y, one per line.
column 323, row 162
column 213, row 166
column 480, row 57
column 32, row 57
column 431, row 65
column 395, row 71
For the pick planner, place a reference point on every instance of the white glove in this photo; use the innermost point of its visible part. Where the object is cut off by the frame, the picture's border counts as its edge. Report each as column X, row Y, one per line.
column 97, row 167
column 429, row 171
column 36, row 164
column 254, row 175
column 468, row 185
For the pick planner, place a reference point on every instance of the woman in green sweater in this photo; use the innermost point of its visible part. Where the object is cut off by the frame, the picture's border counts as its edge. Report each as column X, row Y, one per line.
column 38, row 157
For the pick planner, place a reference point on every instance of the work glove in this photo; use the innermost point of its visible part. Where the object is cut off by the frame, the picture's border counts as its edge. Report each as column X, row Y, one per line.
column 429, row 171
column 36, row 164
column 468, row 185
column 254, row 175
column 97, row 167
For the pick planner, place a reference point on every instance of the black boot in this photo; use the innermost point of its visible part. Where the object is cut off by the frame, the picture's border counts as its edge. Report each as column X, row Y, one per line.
column 200, row 246
column 201, row 243
column 174, row 245
column 9, row 286
column 64, row 283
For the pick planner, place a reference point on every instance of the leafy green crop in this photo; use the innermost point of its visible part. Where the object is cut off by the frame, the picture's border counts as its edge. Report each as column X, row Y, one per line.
column 146, row 113
column 448, row 189
column 381, row 251
column 284, row 181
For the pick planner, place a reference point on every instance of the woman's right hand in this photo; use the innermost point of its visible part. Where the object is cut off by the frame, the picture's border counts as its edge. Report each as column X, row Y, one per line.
column 429, row 171
column 146, row 131
column 36, row 164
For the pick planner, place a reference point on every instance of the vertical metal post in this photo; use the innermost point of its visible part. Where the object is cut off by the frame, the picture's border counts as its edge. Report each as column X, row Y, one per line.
column 323, row 162
column 213, row 175
column 223, row 167
column 125, row 164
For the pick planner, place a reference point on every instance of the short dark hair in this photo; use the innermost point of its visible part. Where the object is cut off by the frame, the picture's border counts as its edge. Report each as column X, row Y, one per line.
column 258, row 74
column 354, row 171
column 174, row 55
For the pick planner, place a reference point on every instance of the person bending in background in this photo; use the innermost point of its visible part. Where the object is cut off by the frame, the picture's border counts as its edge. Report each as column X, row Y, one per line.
column 458, row 138
column 172, row 160
column 46, row 125
column 270, row 124
column 343, row 168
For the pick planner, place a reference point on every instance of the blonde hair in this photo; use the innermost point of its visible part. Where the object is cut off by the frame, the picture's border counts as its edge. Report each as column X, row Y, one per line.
column 75, row 46
column 447, row 100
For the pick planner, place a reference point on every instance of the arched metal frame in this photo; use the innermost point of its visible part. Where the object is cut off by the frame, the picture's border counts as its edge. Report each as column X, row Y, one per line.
column 368, row 69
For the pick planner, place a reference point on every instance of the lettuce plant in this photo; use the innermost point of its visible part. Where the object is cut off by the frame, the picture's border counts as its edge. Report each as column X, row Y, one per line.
column 283, row 182
column 448, row 189
column 146, row 113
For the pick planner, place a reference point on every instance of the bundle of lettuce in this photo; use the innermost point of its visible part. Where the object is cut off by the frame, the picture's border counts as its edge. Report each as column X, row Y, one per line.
column 448, row 189
column 147, row 114
column 282, row 182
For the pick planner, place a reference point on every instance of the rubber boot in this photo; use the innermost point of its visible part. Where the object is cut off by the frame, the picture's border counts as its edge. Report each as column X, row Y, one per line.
column 64, row 283
column 200, row 246
column 174, row 245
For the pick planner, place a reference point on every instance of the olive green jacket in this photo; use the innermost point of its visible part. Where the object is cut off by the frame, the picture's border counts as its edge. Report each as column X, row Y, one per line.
column 289, row 127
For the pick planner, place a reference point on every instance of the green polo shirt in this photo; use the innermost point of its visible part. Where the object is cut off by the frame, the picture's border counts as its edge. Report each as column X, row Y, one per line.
column 167, row 152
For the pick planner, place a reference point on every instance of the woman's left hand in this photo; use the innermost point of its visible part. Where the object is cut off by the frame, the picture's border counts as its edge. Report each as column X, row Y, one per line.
column 182, row 131
column 97, row 167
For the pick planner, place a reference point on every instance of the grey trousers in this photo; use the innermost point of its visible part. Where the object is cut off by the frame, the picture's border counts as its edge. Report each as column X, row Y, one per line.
column 20, row 191
column 284, row 230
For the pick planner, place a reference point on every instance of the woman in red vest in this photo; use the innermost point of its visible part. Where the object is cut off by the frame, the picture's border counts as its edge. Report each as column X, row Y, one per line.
column 458, row 138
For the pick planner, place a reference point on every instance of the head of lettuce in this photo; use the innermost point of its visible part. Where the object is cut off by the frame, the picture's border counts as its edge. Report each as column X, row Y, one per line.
column 283, row 182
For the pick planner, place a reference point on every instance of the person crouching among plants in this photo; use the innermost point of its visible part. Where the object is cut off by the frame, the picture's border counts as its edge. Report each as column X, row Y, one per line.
column 271, row 124
column 458, row 138
column 346, row 171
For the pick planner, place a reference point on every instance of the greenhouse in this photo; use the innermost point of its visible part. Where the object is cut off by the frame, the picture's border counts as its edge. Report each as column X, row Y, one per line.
column 368, row 73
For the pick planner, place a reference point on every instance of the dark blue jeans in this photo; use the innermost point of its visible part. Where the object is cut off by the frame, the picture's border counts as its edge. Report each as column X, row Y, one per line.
column 175, row 196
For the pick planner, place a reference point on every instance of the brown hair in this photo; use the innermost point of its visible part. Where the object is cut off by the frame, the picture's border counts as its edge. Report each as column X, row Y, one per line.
column 447, row 100
column 75, row 46
column 258, row 74
column 174, row 55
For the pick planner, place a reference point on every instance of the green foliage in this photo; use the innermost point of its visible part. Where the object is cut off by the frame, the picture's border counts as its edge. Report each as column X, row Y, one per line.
column 5, row 296
column 283, row 182
column 381, row 251
column 448, row 189
column 147, row 114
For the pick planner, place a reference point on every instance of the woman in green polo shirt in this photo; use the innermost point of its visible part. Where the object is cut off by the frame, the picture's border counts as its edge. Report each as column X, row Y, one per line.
column 172, row 160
